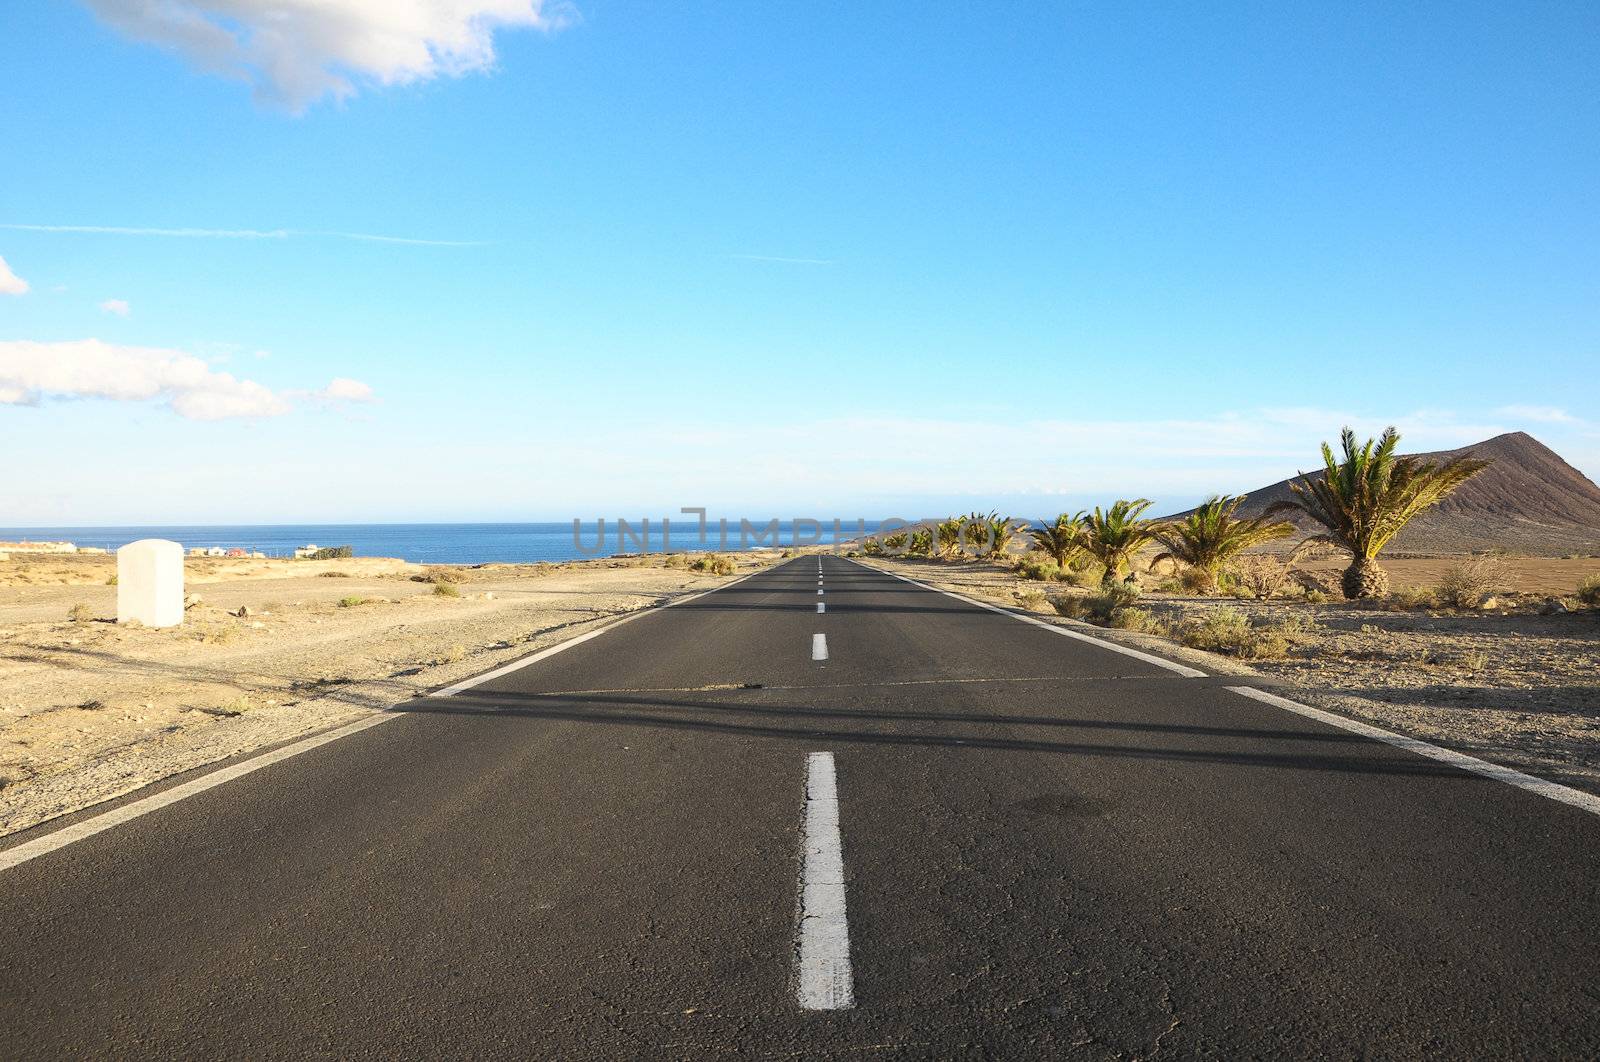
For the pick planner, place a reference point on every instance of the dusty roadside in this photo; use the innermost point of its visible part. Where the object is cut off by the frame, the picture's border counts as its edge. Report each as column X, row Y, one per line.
column 90, row 710
column 1508, row 685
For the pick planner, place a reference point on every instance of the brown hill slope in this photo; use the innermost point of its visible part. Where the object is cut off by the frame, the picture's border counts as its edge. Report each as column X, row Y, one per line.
column 1527, row 501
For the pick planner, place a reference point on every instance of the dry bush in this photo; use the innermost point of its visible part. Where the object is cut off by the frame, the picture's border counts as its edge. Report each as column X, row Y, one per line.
column 352, row 601
column 1589, row 591
column 1257, row 575
column 1468, row 583
column 1194, row 580
column 1032, row 600
column 1044, row 571
column 440, row 575
column 1408, row 597
column 1138, row 619
column 1071, row 606
column 80, row 613
column 715, row 563
column 676, row 560
column 1227, row 630
column 443, row 590
column 333, row 575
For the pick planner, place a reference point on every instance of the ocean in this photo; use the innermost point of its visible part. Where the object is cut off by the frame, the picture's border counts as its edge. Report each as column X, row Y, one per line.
column 442, row 543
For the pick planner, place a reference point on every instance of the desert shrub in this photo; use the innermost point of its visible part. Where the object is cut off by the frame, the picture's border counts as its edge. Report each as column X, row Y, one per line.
column 1087, row 577
column 1256, row 575
column 1468, row 583
column 1032, row 600
column 1138, row 619
column 715, row 563
column 1045, row 571
column 1193, row 580
column 1474, row 660
column 1315, row 596
column 1589, row 591
column 352, row 601
column 442, row 574
column 333, row 575
column 1099, row 607
column 1071, row 606
column 80, row 613
column 1227, row 630
column 676, row 560
column 1413, row 597
column 446, row 590
column 332, row 553
column 111, row 580
column 1294, row 623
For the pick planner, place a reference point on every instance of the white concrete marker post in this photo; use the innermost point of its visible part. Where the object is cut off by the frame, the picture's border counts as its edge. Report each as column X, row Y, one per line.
column 150, row 583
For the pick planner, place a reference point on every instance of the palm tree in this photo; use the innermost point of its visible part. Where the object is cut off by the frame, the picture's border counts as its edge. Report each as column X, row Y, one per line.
column 1002, row 531
column 949, row 537
column 975, row 531
column 1060, row 539
column 1211, row 535
column 921, row 543
column 1366, row 498
column 1114, row 536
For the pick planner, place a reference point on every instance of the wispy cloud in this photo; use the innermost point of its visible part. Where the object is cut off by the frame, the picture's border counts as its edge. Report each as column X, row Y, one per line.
column 782, row 259
column 1542, row 414
column 33, row 372
column 296, row 53
column 238, row 234
column 10, row 283
column 119, row 307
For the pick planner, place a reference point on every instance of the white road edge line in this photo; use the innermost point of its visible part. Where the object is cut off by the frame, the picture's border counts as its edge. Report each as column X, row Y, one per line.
column 822, row 950
column 78, row 831
column 1149, row 658
column 819, row 646
column 1551, row 790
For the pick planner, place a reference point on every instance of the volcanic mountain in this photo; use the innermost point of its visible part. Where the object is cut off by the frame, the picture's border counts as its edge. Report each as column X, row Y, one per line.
column 1527, row 501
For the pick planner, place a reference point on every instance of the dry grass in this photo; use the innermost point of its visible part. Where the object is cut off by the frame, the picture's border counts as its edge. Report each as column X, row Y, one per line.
column 80, row 613
column 446, row 590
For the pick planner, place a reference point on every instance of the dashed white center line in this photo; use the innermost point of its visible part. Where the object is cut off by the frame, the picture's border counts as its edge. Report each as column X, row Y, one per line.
column 822, row 953
column 819, row 647
column 819, row 591
column 821, row 608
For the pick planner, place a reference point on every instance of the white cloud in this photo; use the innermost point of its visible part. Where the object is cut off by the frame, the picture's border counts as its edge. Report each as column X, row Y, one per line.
column 10, row 283
column 297, row 51
column 343, row 389
column 119, row 307
column 31, row 372
column 1542, row 414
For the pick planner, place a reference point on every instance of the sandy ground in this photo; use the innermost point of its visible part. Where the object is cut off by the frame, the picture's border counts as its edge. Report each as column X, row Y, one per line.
column 90, row 710
column 1508, row 685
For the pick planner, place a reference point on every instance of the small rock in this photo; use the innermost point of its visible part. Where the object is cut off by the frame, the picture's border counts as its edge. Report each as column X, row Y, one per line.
column 1489, row 603
column 1553, row 606
column 488, row 595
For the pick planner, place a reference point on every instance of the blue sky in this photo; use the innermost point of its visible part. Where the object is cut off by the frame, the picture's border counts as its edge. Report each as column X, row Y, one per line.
column 777, row 259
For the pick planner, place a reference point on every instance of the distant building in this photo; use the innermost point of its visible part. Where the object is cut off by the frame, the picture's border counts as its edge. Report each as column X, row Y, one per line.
column 305, row 551
column 197, row 551
column 237, row 552
column 216, row 551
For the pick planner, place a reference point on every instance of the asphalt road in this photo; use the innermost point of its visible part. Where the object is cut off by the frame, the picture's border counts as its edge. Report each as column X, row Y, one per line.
column 1048, row 850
